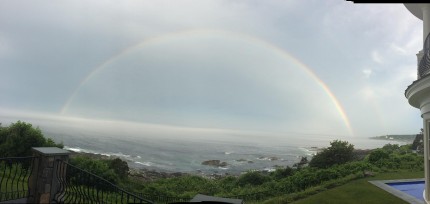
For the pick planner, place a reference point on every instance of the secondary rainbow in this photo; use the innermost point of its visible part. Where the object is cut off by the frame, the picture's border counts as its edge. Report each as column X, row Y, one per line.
column 161, row 38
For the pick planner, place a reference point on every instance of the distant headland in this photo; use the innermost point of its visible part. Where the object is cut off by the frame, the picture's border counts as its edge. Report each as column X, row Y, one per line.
column 404, row 138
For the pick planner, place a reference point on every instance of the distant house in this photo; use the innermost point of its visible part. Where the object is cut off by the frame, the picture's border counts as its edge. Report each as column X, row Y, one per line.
column 205, row 198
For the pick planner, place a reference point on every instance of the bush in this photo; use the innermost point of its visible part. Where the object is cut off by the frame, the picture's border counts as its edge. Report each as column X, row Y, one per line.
column 282, row 173
column 252, row 178
column 18, row 138
column 120, row 167
column 378, row 155
column 97, row 167
column 391, row 148
column 339, row 152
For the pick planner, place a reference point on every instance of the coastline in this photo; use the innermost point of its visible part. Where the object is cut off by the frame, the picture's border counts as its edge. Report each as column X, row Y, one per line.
column 147, row 175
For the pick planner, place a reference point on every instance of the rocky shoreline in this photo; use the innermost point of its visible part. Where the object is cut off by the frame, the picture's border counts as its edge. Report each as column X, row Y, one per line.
column 148, row 175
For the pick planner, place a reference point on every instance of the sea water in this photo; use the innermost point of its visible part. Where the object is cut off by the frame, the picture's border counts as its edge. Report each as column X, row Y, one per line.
column 167, row 149
column 187, row 155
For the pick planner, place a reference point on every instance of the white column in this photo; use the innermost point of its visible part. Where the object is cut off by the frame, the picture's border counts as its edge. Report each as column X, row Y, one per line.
column 420, row 55
column 426, row 157
column 426, row 20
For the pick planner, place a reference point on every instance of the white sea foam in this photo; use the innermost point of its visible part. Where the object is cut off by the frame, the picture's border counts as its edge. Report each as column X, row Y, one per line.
column 72, row 149
column 109, row 154
column 119, row 154
column 145, row 163
column 78, row 149
column 269, row 169
column 309, row 151
column 270, row 159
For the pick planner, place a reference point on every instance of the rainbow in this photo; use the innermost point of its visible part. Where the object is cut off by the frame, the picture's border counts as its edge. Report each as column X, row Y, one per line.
column 186, row 33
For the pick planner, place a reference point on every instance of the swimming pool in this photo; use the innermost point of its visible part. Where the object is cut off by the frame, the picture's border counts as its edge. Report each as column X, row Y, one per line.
column 410, row 190
column 413, row 188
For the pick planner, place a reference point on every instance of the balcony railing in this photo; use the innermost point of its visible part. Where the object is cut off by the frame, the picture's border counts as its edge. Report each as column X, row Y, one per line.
column 258, row 196
column 47, row 177
column 80, row 186
column 15, row 173
column 424, row 64
column 164, row 199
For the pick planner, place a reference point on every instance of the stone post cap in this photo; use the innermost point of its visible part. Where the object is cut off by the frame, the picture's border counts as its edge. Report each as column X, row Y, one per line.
column 50, row 151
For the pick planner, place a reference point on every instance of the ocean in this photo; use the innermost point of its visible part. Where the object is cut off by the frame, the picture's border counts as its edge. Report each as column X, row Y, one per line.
column 183, row 150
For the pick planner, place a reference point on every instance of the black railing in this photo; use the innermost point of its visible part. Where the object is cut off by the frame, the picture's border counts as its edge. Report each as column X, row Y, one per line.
column 258, row 196
column 164, row 199
column 80, row 186
column 15, row 173
column 424, row 65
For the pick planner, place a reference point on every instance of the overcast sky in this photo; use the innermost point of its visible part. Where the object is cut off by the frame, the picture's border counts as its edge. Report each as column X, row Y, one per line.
column 287, row 67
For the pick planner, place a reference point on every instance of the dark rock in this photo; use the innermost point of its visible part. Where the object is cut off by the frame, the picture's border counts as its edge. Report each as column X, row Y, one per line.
column 269, row 158
column 273, row 158
column 216, row 163
column 418, row 144
column 368, row 174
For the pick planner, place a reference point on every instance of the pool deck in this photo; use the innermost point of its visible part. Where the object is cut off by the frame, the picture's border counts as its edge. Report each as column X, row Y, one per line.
column 383, row 184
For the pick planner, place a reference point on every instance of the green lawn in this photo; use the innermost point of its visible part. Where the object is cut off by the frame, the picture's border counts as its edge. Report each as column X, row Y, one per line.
column 361, row 191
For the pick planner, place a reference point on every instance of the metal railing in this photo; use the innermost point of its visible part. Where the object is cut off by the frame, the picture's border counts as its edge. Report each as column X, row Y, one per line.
column 15, row 173
column 424, row 64
column 76, row 185
column 164, row 199
column 258, row 196
column 80, row 186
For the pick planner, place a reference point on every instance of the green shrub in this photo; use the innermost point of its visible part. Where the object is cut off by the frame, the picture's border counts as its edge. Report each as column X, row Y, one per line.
column 120, row 167
column 18, row 138
column 378, row 155
column 339, row 152
column 252, row 178
column 282, row 172
column 97, row 167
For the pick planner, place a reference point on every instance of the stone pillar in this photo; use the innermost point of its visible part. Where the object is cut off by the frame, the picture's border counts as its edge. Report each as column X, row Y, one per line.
column 43, row 182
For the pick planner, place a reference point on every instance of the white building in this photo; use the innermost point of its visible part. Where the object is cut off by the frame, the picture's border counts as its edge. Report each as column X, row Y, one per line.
column 418, row 93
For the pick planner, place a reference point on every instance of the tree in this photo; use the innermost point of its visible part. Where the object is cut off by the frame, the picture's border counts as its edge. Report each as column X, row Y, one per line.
column 303, row 161
column 254, row 178
column 418, row 144
column 97, row 167
column 120, row 167
column 18, row 138
column 339, row 152
column 378, row 155
column 283, row 173
column 390, row 148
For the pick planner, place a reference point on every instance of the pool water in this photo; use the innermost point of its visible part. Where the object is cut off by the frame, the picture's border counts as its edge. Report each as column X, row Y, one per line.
column 413, row 188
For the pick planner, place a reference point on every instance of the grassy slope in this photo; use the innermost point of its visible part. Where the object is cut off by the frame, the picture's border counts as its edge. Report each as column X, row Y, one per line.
column 361, row 191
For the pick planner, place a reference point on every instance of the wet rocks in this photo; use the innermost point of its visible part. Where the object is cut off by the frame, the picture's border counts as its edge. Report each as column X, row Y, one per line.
column 269, row 158
column 216, row 163
column 151, row 175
